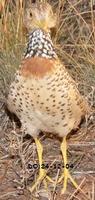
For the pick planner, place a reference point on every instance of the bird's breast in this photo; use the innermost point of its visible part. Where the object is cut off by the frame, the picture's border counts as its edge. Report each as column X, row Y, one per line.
column 50, row 102
column 37, row 67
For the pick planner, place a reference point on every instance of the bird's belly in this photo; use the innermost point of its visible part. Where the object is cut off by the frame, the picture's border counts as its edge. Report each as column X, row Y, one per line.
column 41, row 106
column 53, row 124
column 60, row 120
column 41, row 121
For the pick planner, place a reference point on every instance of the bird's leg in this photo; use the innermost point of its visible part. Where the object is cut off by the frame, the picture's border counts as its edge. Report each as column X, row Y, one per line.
column 42, row 172
column 66, row 173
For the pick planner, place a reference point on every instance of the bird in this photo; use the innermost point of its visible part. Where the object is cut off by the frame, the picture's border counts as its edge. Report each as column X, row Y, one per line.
column 43, row 95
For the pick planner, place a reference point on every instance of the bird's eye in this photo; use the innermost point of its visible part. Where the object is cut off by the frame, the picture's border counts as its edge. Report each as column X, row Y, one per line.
column 30, row 14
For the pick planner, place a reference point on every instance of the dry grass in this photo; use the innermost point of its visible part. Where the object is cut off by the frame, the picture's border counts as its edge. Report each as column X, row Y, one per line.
column 74, row 40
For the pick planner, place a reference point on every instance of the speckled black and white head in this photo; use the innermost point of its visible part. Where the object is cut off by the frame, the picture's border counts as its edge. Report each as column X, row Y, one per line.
column 39, row 19
column 40, row 44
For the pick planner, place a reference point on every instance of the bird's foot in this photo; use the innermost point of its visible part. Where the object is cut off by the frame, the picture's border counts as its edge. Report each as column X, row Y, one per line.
column 66, row 175
column 41, row 178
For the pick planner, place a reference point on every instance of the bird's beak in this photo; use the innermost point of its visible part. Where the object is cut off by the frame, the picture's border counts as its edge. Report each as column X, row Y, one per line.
column 42, row 24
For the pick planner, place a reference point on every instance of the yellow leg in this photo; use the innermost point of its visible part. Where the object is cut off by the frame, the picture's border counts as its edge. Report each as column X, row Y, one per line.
column 66, row 173
column 42, row 172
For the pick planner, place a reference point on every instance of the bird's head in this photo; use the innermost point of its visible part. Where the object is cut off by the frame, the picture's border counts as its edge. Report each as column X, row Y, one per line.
column 39, row 15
